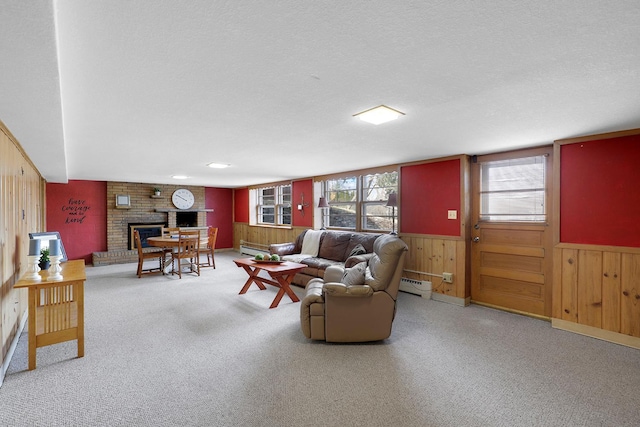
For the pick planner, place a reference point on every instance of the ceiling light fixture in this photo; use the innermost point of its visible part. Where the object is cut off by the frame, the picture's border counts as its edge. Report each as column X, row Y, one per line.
column 179, row 177
column 218, row 165
column 378, row 115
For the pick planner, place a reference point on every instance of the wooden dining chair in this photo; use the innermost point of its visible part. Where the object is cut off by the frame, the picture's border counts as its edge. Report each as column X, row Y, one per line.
column 212, row 235
column 157, row 254
column 169, row 232
column 187, row 253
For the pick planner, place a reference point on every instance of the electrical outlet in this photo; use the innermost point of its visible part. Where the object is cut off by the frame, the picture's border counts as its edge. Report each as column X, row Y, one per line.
column 452, row 214
column 447, row 277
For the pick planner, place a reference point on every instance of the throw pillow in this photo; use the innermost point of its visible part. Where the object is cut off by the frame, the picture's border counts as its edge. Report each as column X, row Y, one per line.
column 358, row 250
column 355, row 275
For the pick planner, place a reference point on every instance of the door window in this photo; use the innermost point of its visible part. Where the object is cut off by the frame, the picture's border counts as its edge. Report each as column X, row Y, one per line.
column 513, row 190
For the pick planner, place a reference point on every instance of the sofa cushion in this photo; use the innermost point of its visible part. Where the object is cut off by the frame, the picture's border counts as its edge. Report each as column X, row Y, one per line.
column 318, row 264
column 334, row 245
column 354, row 276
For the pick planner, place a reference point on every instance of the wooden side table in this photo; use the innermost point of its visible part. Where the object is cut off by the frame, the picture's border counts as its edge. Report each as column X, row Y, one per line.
column 56, row 308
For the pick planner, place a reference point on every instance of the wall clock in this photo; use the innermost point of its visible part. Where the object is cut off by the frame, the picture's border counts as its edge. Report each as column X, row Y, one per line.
column 182, row 198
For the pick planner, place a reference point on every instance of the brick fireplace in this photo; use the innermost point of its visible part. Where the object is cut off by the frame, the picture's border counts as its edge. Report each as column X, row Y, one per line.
column 146, row 210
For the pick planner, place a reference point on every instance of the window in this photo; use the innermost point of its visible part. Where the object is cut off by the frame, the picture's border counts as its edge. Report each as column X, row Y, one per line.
column 513, row 190
column 274, row 205
column 375, row 193
column 342, row 196
column 359, row 202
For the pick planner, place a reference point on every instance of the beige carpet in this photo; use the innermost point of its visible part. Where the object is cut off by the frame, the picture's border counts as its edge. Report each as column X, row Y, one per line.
column 167, row 352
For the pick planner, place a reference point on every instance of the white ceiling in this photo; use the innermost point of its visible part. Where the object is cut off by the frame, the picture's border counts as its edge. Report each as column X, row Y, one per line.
column 137, row 91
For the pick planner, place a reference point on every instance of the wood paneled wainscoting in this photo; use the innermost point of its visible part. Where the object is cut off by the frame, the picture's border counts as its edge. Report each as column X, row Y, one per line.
column 22, row 193
column 436, row 255
column 263, row 235
column 597, row 292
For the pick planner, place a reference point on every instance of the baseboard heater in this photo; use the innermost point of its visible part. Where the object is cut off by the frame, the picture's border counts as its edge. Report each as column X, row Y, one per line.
column 253, row 249
column 417, row 287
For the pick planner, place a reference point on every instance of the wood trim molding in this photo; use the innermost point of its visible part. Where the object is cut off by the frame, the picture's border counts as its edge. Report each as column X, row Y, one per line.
column 597, row 137
column 586, row 247
column 598, row 333
column 358, row 172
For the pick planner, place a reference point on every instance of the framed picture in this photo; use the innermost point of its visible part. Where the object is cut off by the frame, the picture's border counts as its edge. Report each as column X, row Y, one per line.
column 45, row 237
column 123, row 201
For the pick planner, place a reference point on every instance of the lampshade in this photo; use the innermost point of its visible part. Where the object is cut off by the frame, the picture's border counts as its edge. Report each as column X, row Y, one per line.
column 322, row 203
column 54, row 247
column 34, row 247
column 393, row 200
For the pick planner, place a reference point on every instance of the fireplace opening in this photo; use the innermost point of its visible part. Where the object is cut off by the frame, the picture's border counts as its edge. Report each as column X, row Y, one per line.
column 186, row 219
column 146, row 230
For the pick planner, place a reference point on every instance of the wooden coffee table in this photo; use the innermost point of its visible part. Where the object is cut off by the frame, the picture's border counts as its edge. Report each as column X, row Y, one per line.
column 281, row 276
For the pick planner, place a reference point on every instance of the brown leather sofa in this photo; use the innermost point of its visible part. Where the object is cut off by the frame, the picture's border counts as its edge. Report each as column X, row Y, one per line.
column 335, row 248
column 339, row 309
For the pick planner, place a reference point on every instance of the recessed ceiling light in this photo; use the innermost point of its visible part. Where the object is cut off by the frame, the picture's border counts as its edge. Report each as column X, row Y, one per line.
column 379, row 114
column 179, row 177
column 218, row 165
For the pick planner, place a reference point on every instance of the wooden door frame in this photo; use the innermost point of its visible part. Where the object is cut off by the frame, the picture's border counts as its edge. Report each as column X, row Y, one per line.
column 550, row 183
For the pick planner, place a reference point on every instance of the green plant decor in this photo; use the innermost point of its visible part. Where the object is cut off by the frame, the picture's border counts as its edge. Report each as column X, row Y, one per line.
column 44, row 258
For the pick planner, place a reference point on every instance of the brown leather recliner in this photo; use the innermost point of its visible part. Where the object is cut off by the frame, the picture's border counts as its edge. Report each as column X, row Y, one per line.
column 357, row 304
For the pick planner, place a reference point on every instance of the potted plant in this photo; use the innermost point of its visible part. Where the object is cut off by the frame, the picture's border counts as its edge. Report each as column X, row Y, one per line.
column 44, row 259
column 156, row 191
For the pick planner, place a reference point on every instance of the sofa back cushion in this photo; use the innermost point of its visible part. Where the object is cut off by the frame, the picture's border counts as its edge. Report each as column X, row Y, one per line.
column 334, row 245
column 364, row 239
column 299, row 240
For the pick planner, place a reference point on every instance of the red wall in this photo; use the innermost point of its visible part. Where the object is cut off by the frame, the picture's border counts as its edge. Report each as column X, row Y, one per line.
column 298, row 188
column 78, row 210
column 221, row 201
column 600, row 192
column 428, row 191
column 241, row 205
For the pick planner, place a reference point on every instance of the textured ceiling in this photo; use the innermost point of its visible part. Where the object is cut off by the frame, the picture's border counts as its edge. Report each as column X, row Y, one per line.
column 137, row 91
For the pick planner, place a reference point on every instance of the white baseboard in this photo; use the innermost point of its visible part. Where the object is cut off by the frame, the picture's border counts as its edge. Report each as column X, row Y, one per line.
column 462, row 302
column 12, row 348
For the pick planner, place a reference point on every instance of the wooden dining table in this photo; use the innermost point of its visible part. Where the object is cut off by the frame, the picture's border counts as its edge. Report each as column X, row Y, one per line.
column 166, row 242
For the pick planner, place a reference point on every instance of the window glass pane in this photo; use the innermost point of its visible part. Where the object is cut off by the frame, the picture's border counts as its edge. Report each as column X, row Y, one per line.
column 342, row 216
column 285, row 215
column 376, row 216
column 285, row 194
column 267, row 215
column 377, row 187
column 267, row 196
column 513, row 190
column 342, row 190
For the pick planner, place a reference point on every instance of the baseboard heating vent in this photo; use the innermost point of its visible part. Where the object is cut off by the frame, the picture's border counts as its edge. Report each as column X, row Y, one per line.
column 417, row 287
column 253, row 249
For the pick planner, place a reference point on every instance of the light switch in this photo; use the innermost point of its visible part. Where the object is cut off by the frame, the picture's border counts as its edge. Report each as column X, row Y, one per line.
column 452, row 214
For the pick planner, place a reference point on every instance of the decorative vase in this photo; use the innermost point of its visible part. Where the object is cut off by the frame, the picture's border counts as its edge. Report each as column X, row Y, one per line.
column 44, row 265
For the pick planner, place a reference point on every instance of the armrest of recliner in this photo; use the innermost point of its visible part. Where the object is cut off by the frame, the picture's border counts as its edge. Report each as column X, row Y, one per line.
column 282, row 248
column 342, row 290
